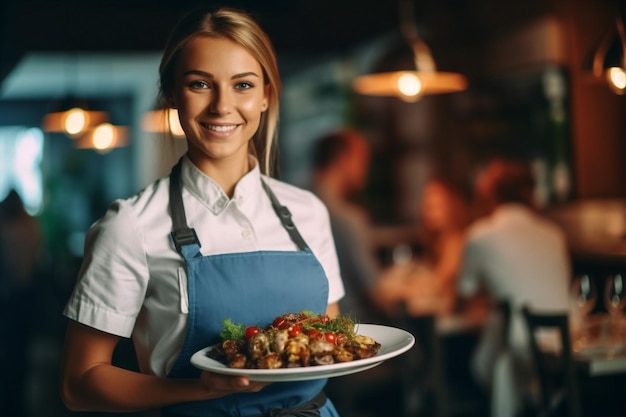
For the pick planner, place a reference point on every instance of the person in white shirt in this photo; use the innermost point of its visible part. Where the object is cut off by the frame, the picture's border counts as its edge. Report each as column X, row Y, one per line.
column 514, row 254
column 218, row 239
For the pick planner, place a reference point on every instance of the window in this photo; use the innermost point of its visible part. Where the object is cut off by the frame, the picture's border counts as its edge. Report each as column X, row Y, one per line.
column 21, row 152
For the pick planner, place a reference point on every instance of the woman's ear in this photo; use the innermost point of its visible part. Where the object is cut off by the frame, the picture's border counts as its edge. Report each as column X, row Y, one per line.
column 266, row 98
column 170, row 102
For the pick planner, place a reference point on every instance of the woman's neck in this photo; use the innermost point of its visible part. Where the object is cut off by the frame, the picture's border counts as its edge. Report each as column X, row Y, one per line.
column 225, row 172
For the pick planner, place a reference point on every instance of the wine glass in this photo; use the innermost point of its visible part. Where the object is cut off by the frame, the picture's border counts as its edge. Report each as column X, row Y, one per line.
column 615, row 301
column 583, row 294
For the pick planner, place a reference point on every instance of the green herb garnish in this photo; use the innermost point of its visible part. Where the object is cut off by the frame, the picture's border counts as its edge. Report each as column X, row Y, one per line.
column 232, row 330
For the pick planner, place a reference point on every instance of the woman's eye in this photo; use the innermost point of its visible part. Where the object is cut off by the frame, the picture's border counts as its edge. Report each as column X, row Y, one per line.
column 244, row 85
column 198, row 84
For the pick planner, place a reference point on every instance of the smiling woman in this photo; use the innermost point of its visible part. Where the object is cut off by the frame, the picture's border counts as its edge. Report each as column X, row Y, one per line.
column 144, row 275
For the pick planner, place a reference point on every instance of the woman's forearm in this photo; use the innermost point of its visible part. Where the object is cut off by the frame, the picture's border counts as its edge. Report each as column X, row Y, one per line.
column 109, row 388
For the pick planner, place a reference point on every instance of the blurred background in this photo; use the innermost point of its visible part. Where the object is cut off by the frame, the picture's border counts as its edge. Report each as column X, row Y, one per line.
column 531, row 93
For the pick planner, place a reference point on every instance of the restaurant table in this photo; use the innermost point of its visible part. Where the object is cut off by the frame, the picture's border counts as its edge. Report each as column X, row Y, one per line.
column 603, row 350
column 602, row 362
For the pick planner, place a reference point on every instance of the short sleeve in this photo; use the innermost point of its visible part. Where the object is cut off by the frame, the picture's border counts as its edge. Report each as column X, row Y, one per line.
column 113, row 277
column 470, row 272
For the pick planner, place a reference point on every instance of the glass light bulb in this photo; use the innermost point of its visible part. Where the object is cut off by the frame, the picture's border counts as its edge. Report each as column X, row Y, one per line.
column 616, row 78
column 409, row 85
column 104, row 136
column 75, row 121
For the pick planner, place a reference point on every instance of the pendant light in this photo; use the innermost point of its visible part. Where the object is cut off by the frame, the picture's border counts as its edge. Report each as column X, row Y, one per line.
column 411, row 85
column 103, row 138
column 609, row 60
column 74, row 121
column 162, row 121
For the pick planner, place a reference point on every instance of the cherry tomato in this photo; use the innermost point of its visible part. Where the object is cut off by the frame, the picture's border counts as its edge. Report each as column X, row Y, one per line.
column 280, row 323
column 324, row 318
column 330, row 337
column 314, row 334
column 294, row 330
column 251, row 331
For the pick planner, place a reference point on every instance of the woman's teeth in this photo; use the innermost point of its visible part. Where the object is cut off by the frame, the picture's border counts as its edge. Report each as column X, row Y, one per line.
column 221, row 128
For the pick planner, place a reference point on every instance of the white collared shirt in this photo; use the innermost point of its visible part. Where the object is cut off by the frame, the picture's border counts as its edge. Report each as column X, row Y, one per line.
column 133, row 281
column 520, row 257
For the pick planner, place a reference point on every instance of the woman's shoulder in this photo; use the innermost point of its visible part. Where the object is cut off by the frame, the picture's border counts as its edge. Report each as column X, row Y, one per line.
column 149, row 202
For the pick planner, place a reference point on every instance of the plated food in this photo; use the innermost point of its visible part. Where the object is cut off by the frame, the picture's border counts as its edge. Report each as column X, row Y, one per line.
column 292, row 340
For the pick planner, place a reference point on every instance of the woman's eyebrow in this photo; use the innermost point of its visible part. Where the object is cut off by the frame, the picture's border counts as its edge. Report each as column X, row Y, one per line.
column 209, row 75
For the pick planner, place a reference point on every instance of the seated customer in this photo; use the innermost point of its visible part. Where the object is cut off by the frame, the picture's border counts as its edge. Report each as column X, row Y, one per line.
column 514, row 254
column 428, row 283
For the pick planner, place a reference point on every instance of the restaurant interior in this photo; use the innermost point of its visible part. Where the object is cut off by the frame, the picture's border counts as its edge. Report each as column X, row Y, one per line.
column 529, row 80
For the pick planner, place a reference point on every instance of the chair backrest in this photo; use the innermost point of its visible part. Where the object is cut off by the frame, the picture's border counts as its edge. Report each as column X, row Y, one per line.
column 554, row 368
column 503, row 307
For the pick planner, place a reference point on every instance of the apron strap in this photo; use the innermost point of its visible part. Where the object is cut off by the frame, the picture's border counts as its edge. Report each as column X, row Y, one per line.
column 181, row 233
column 284, row 215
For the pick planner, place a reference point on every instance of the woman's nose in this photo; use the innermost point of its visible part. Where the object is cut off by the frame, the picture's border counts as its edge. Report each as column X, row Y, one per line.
column 221, row 103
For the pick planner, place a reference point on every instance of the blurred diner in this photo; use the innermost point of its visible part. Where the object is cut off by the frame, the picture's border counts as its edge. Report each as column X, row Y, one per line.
column 512, row 254
column 341, row 160
column 426, row 284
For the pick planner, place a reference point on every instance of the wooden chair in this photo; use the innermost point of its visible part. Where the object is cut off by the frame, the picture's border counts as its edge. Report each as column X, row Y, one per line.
column 427, row 385
column 555, row 370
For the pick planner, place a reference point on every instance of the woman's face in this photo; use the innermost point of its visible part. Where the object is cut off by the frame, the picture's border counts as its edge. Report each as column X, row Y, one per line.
column 434, row 208
column 220, row 95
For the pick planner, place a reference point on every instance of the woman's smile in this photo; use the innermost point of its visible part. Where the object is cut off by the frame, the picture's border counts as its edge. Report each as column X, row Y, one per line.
column 220, row 131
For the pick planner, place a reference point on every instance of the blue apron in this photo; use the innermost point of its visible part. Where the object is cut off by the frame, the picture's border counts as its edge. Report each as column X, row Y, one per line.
column 251, row 288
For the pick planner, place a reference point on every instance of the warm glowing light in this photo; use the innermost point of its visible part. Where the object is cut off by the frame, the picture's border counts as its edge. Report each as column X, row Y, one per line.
column 409, row 85
column 73, row 122
column 163, row 120
column 174, row 123
column 387, row 83
column 76, row 120
column 617, row 79
column 104, row 136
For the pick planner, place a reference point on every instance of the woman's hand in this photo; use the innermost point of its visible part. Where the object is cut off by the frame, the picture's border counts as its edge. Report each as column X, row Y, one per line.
column 221, row 385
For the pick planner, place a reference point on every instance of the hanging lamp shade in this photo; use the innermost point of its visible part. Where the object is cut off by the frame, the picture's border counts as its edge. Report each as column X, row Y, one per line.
column 72, row 118
column 162, row 121
column 103, row 138
column 71, row 115
column 421, row 79
column 609, row 59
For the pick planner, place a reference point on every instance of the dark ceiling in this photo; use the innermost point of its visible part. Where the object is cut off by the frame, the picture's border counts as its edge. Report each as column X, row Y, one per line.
column 296, row 26
column 300, row 28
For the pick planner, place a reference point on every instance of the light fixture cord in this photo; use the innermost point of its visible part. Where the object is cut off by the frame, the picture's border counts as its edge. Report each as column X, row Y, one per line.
column 423, row 58
column 621, row 11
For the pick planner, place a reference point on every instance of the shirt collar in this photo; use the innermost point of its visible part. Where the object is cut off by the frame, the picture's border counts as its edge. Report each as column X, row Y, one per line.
column 512, row 211
column 210, row 194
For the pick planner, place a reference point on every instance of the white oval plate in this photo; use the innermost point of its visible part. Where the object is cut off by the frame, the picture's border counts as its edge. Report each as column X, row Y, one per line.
column 393, row 343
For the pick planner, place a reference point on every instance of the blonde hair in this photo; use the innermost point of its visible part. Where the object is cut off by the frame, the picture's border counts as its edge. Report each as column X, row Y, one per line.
column 239, row 27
